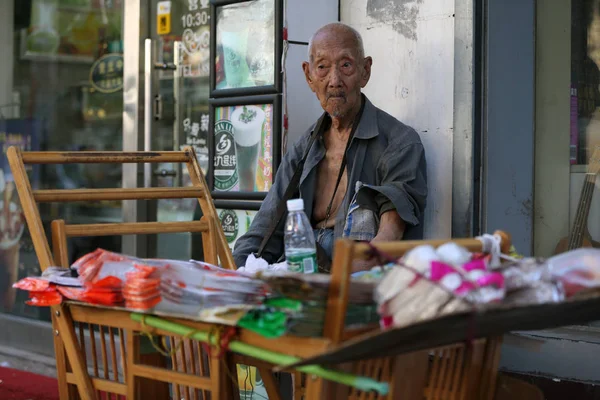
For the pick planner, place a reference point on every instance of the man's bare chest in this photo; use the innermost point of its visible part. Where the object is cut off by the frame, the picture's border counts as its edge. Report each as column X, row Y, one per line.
column 328, row 172
column 329, row 167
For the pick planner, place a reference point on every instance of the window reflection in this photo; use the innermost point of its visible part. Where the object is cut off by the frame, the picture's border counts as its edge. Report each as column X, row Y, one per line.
column 66, row 84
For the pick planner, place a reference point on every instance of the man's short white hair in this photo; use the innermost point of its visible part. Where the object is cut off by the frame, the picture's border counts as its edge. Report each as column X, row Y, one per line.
column 347, row 28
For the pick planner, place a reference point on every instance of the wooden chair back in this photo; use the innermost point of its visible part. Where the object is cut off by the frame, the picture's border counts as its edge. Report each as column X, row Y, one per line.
column 29, row 197
column 117, row 366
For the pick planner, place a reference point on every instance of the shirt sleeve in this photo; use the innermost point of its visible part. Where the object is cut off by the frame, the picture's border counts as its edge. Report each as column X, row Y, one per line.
column 252, row 239
column 401, row 182
column 383, row 204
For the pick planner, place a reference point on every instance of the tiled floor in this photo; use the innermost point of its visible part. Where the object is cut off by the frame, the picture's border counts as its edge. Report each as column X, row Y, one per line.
column 27, row 362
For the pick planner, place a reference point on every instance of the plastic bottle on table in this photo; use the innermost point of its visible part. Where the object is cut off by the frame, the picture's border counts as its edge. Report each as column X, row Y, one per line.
column 299, row 239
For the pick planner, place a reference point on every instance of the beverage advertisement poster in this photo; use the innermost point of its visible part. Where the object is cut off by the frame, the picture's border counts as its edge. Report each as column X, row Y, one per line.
column 235, row 223
column 243, row 148
column 22, row 133
column 245, row 45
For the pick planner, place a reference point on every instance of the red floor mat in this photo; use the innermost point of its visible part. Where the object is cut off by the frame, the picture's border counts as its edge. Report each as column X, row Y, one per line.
column 21, row 385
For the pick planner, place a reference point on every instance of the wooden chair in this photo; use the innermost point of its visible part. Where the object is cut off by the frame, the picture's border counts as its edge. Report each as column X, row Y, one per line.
column 448, row 373
column 118, row 367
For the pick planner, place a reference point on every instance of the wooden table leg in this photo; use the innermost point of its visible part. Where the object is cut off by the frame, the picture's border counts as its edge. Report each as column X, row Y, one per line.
column 409, row 375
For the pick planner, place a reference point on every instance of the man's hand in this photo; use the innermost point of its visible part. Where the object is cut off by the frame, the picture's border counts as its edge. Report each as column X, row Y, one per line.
column 391, row 227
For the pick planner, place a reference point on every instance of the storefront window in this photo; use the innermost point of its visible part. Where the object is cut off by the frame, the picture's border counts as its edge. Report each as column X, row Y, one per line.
column 567, row 138
column 584, row 214
column 585, row 80
column 61, row 89
column 65, row 92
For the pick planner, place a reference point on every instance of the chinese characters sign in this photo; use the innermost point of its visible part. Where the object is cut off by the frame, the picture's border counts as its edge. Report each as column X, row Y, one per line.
column 163, row 14
column 243, row 148
column 196, row 133
column 106, row 75
column 194, row 39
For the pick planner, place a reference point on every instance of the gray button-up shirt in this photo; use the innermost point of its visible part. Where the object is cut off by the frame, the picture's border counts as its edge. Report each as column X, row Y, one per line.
column 386, row 155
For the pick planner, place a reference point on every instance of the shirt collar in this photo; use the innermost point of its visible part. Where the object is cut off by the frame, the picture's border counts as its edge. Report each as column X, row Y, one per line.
column 367, row 126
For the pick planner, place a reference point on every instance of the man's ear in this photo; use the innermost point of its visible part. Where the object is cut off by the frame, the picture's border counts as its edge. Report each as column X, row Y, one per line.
column 366, row 73
column 306, row 69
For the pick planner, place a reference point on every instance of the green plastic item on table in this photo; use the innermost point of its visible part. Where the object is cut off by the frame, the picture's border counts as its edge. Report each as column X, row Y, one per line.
column 269, row 322
column 284, row 302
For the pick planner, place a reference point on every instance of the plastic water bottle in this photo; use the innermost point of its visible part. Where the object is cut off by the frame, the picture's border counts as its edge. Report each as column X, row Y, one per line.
column 300, row 247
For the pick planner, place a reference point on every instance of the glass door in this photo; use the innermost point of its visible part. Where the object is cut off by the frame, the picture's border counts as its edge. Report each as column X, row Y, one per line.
column 172, row 112
column 180, row 36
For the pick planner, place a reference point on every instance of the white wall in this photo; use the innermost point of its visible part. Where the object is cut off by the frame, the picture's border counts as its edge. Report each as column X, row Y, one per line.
column 303, row 21
column 304, row 17
column 303, row 107
column 412, row 45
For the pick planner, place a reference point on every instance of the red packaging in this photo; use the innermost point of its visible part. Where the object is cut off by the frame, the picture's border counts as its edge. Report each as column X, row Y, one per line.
column 71, row 293
column 103, row 298
column 32, row 284
column 49, row 297
column 145, row 270
column 142, row 284
column 110, row 282
column 148, row 292
column 143, row 305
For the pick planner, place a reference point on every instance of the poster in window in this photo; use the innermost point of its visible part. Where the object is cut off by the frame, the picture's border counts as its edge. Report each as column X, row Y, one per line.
column 245, row 41
column 72, row 30
column 235, row 223
column 243, row 148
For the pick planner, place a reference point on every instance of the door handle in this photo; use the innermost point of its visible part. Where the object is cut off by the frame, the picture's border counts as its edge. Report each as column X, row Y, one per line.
column 177, row 58
column 148, row 107
column 165, row 66
column 158, row 107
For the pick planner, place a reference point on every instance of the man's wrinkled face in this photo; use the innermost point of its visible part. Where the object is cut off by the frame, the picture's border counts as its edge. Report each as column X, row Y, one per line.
column 337, row 72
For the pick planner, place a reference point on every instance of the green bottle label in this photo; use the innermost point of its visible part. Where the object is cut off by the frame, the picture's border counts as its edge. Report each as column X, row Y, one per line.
column 302, row 262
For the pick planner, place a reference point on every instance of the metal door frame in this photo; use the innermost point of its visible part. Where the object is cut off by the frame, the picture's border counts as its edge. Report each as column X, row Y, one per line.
column 139, row 86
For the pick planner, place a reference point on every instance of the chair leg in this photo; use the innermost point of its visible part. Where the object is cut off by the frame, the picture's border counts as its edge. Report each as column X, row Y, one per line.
column 61, row 367
column 408, row 377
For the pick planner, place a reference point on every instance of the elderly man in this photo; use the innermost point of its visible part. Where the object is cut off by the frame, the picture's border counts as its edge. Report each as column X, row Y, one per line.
column 363, row 178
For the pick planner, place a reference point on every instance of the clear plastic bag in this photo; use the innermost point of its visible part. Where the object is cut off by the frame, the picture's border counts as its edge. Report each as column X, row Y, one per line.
column 577, row 270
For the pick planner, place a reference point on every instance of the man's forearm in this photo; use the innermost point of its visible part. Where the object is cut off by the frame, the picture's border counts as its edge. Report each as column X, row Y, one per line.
column 391, row 227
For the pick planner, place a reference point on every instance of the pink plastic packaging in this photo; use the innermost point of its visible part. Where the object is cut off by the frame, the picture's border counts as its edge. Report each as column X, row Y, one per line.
column 577, row 270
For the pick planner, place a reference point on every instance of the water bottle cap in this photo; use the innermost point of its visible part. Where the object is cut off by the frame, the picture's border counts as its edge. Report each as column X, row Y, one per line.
column 295, row 205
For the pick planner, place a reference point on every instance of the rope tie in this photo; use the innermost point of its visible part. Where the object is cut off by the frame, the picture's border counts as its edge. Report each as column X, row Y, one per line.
column 146, row 333
column 491, row 244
